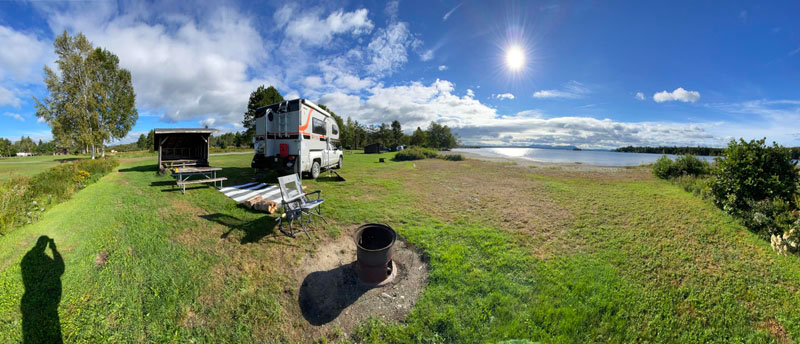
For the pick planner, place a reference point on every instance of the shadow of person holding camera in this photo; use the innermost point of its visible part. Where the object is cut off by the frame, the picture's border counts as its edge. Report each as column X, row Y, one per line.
column 41, row 276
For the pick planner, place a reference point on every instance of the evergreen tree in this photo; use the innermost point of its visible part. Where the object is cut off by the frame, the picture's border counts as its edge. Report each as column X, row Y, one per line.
column 419, row 138
column 260, row 97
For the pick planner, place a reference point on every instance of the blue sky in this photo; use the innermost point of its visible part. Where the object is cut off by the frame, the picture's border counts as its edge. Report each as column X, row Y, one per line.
column 595, row 74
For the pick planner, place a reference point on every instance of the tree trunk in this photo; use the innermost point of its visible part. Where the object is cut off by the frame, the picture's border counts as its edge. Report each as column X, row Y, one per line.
column 94, row 149
column 103, row 151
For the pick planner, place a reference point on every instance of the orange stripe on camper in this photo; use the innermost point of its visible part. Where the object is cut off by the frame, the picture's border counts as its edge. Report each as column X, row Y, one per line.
column 308, row 120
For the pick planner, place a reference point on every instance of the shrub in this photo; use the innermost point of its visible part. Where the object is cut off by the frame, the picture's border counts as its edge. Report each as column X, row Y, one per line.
column 663, row 167
column 453, row 157
column 751, row 172
column 697, row 185
column 24, row 199
column 415, row 153
column 685, row 165
column 769, row 217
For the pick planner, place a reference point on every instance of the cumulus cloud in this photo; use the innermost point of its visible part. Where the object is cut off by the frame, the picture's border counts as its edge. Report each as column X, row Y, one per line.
column 678, row 94
column 310, row 28
column 570, row 90
column 470, row 93
column 418, row 104
column 208, row 122
column 21, row 62
column 14, row 116
column 639, row 96
column 503, row 96
column 191, row 68
column 442, row 68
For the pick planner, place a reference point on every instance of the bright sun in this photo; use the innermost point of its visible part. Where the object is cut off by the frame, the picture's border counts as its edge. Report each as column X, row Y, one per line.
column 515, row 58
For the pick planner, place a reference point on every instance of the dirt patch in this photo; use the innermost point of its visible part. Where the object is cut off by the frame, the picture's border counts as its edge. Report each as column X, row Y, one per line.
column 775, row 330
column 330, row 297
column 505, row 197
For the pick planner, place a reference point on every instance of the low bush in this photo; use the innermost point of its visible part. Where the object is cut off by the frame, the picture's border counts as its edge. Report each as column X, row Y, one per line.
column 452, row 157
column 698, row 185
column 24, row 199
column 415, row 153
column 684, row 165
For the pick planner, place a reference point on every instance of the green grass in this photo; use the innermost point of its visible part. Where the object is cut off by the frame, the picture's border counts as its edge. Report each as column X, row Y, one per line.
column 30, row 165
column 648, row 263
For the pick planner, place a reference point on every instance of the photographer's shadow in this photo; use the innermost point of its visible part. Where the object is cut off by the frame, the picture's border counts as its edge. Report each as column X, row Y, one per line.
column 41, row 276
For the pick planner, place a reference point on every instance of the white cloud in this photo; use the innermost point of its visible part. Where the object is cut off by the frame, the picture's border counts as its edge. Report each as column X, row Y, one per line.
column 678, row 94
column 503, row 96
column 427, row 55
column 442, row 68
column 388, row 49
column 450, row 12
column 470, row 93
column 23, row 56
column 208, row 122
column 185, row 69
column 639, row 95
column 570, row 90
column 14, row 116
column 310, row 28
column 8, row 98
column 417, row 104
column 554, row 94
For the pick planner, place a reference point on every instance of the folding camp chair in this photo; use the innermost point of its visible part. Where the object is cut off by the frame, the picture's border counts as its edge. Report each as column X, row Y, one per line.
column 295, row 204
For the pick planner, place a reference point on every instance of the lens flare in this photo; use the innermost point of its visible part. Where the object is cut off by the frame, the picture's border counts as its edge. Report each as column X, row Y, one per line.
column 515, row 58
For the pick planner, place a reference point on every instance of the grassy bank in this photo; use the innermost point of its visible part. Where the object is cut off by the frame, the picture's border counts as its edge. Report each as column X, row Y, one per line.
column 514, row 253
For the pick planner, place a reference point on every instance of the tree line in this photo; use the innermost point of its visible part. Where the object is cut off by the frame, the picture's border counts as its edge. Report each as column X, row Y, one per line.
column 706, row 151
column 26, row 145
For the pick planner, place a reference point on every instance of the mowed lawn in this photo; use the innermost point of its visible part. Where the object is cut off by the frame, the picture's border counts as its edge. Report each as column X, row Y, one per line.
column 545, row 254
column 30, row 165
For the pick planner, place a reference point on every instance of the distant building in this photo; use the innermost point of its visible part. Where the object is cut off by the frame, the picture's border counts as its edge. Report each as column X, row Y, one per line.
column 24, row 154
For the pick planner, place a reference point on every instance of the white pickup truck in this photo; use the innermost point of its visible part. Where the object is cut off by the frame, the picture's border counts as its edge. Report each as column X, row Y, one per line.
column 296, row 136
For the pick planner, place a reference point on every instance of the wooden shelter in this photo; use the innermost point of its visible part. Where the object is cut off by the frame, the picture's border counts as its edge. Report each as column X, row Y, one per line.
column 182, row 147
column 373, row 148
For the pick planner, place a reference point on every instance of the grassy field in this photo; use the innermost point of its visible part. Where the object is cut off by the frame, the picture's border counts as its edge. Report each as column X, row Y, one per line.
column 545, row 254
column 30, row 165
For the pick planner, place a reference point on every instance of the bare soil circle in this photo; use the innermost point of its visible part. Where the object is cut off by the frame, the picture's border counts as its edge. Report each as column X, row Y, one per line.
column 331, row 296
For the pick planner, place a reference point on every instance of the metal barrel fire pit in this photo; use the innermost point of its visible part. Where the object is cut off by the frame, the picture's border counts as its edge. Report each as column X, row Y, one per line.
column 374, row 243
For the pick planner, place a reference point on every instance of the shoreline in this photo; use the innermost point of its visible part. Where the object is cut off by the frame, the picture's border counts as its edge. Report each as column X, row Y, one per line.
column 524, row 162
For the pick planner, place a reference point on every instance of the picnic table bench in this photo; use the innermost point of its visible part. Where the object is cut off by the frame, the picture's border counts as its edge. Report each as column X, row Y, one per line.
column 184, row 175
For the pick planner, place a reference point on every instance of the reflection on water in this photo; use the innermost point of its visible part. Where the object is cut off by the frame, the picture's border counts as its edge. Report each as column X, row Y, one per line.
column 599, row 158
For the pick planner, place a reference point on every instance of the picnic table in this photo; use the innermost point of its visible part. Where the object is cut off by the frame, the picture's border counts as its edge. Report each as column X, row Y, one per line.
column 184, row 175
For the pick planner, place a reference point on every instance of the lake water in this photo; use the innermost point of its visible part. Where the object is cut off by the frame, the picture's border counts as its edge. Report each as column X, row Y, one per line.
column 598, row 158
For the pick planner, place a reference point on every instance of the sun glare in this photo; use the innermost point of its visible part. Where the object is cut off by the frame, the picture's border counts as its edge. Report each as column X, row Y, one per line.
column 515, row 58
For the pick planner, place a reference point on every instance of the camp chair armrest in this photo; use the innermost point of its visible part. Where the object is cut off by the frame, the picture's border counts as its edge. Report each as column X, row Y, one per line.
column 318, row 192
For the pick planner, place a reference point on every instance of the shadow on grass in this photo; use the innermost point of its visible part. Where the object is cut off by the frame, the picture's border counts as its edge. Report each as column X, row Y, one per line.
column 253, row 230
column 66, row 159
column 141, row 168
column 325, row 294
column 41, row 276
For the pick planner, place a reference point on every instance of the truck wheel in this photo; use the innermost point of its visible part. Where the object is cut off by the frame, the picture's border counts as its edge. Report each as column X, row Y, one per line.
column 339, row 166
column 315, row 170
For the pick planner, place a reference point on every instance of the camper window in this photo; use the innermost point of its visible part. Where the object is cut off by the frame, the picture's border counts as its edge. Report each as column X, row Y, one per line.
column 318, row 126
column 334, row 129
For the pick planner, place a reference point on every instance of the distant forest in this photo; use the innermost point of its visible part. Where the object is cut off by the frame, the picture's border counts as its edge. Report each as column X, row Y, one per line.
column 708, row 151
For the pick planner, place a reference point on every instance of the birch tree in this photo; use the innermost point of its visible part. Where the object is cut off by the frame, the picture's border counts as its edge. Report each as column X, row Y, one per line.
column 91, row 99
